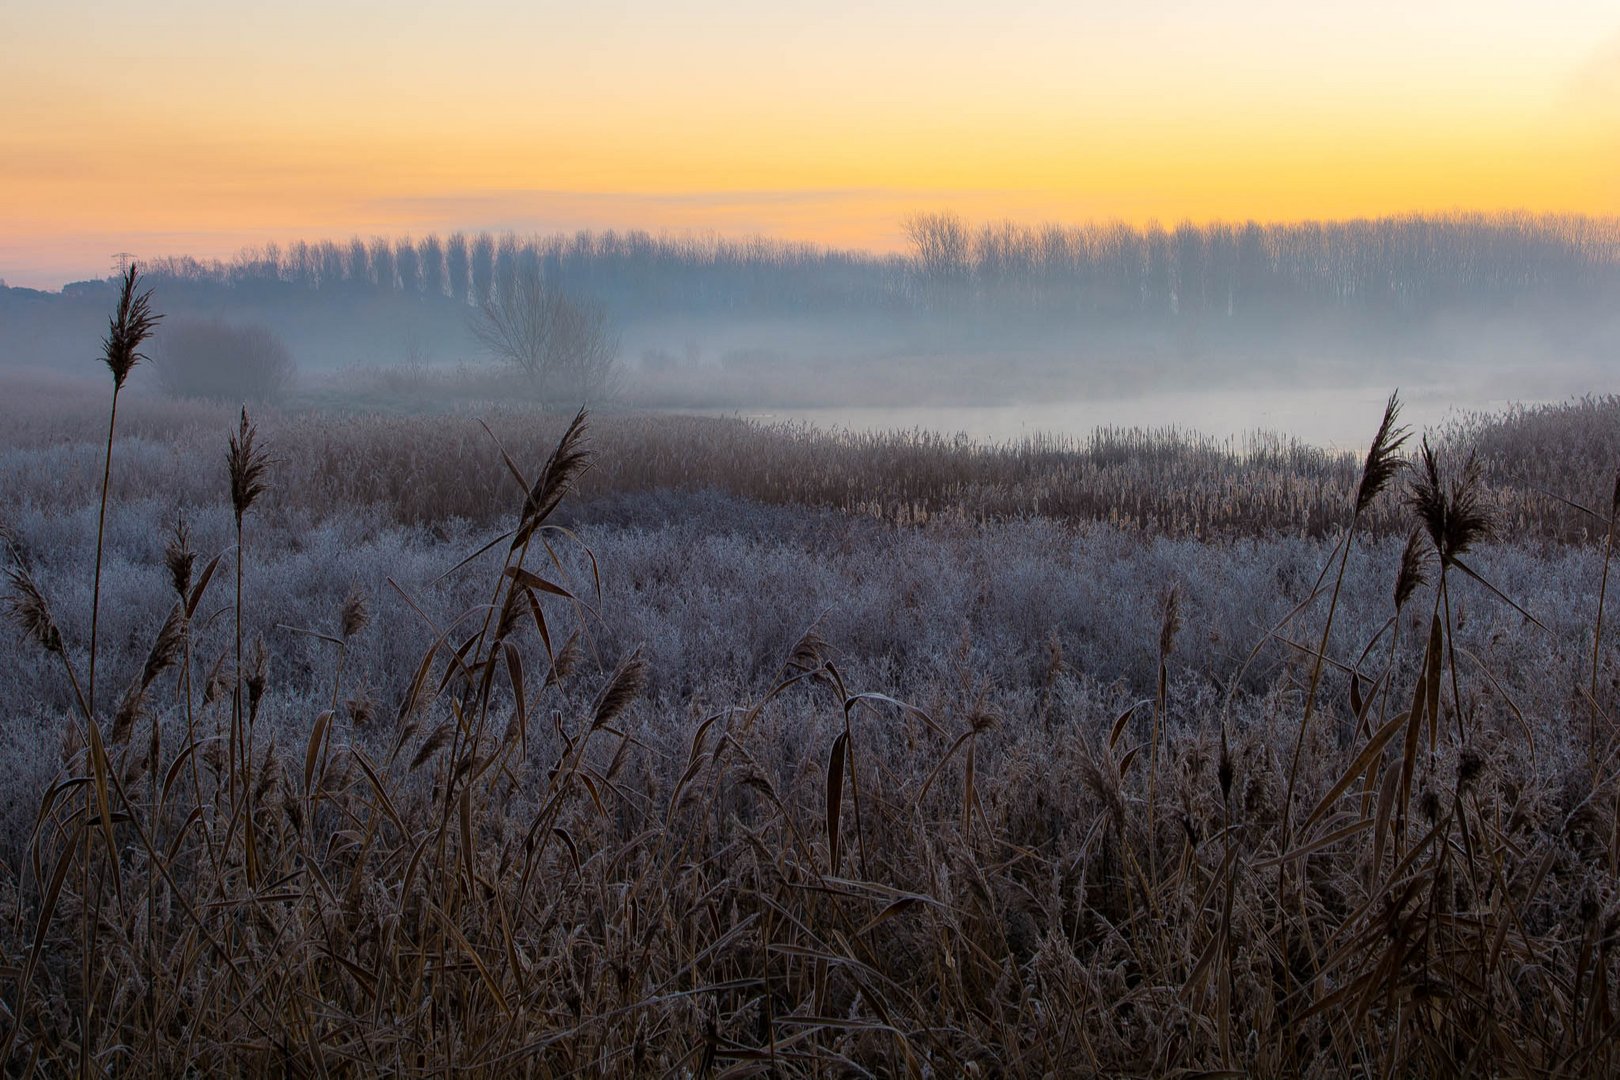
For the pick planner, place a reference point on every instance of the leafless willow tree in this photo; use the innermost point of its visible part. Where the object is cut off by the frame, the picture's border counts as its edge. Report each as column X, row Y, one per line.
column 564, row 346
column 942, row 256
column 942, row 244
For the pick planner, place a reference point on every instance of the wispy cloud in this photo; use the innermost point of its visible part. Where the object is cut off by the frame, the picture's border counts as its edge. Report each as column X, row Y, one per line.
column 534, row 197
column 1594, row 92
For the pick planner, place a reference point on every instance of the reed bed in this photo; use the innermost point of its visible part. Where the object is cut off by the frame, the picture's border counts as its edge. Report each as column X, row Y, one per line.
column 1396, row 854
column 438, row 467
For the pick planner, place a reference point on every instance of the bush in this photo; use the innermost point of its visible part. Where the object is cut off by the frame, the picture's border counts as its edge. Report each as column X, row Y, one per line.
column 221, row 361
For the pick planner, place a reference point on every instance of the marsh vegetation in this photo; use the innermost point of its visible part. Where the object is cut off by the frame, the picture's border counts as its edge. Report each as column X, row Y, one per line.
column 684, row 746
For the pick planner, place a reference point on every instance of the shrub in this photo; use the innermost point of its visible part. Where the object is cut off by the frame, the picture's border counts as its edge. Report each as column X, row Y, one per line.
column 222, row 361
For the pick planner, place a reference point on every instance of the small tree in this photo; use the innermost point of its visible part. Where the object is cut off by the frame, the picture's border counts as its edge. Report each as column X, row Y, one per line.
column 221, row 361
column 942, row 256
column 563, row 346
column 941, row 246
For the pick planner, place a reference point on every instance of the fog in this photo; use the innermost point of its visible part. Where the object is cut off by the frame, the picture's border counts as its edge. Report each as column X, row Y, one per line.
column 991, row 330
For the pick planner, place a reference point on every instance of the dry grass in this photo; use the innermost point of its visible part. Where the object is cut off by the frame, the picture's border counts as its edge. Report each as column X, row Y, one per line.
column 424, row 470
column 511, row 877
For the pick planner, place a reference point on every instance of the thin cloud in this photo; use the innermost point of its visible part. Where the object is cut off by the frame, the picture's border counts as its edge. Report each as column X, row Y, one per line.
column 1595, row 90
column 542, row 196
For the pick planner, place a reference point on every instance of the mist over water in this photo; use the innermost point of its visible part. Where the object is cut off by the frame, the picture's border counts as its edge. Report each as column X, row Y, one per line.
column 996, row 332
column 1335, row 418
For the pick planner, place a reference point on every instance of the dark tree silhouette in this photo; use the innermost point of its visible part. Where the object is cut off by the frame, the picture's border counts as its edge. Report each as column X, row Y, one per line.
column 483, row 268
column 455, row 257
column 430, row 253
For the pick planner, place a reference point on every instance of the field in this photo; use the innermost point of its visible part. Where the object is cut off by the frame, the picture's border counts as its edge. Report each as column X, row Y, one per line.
column 660, row 745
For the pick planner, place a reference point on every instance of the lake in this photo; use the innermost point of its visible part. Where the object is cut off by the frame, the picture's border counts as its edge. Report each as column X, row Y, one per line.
column 1336, row 418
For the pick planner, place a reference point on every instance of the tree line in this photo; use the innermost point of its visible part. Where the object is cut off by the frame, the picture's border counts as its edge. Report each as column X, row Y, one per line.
column 1411, row 264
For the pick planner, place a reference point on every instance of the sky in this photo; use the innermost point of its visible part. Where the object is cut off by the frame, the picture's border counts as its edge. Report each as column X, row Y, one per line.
column 205, row 126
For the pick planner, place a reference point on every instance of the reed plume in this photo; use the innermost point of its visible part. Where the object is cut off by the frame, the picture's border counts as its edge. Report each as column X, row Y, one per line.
column 1382, row 463
column 29, row 610
column 353, row 617
column 27, row 607
column 180, row 560
column 1384, row 459
column 622, row 688
column 1453, row 512
column 1411, row 576
column 561, row 472
column 247, row 467
column 127, row 331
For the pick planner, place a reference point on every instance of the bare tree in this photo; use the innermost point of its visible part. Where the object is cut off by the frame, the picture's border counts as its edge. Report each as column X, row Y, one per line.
column 564, row 346
column 940, row 244
column 942, row 256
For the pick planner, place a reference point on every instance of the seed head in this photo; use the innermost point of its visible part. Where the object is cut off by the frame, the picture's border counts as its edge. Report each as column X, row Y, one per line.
column 128, row 329
column 1411, row 575
column 623, row 687
column 258, row 675
column 166, row 648
column 566, row 660
column 354, row 615
column 1469, row 765
column 1383, row 457
column 809, row 652
column 27, row 607
column 1429, row 804
column 130, row 709
column 362, row 710
column 567, row 462
column 218, row 683
column 430, row 746
column 248, row 465
column 180, row 559
column 1451, row 511
column 1170, row 623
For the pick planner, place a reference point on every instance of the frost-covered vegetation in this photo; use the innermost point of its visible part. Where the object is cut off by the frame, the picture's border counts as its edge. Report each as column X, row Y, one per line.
column 1180, row 781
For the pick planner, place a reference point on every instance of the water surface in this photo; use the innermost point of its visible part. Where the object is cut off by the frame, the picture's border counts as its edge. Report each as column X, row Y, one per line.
column 1336, row 418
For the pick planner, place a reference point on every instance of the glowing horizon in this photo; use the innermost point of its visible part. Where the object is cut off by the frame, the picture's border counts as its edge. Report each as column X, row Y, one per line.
column 191, row 128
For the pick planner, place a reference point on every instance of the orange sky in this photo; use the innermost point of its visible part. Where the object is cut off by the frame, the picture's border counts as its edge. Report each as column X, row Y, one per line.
column 182, row 126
